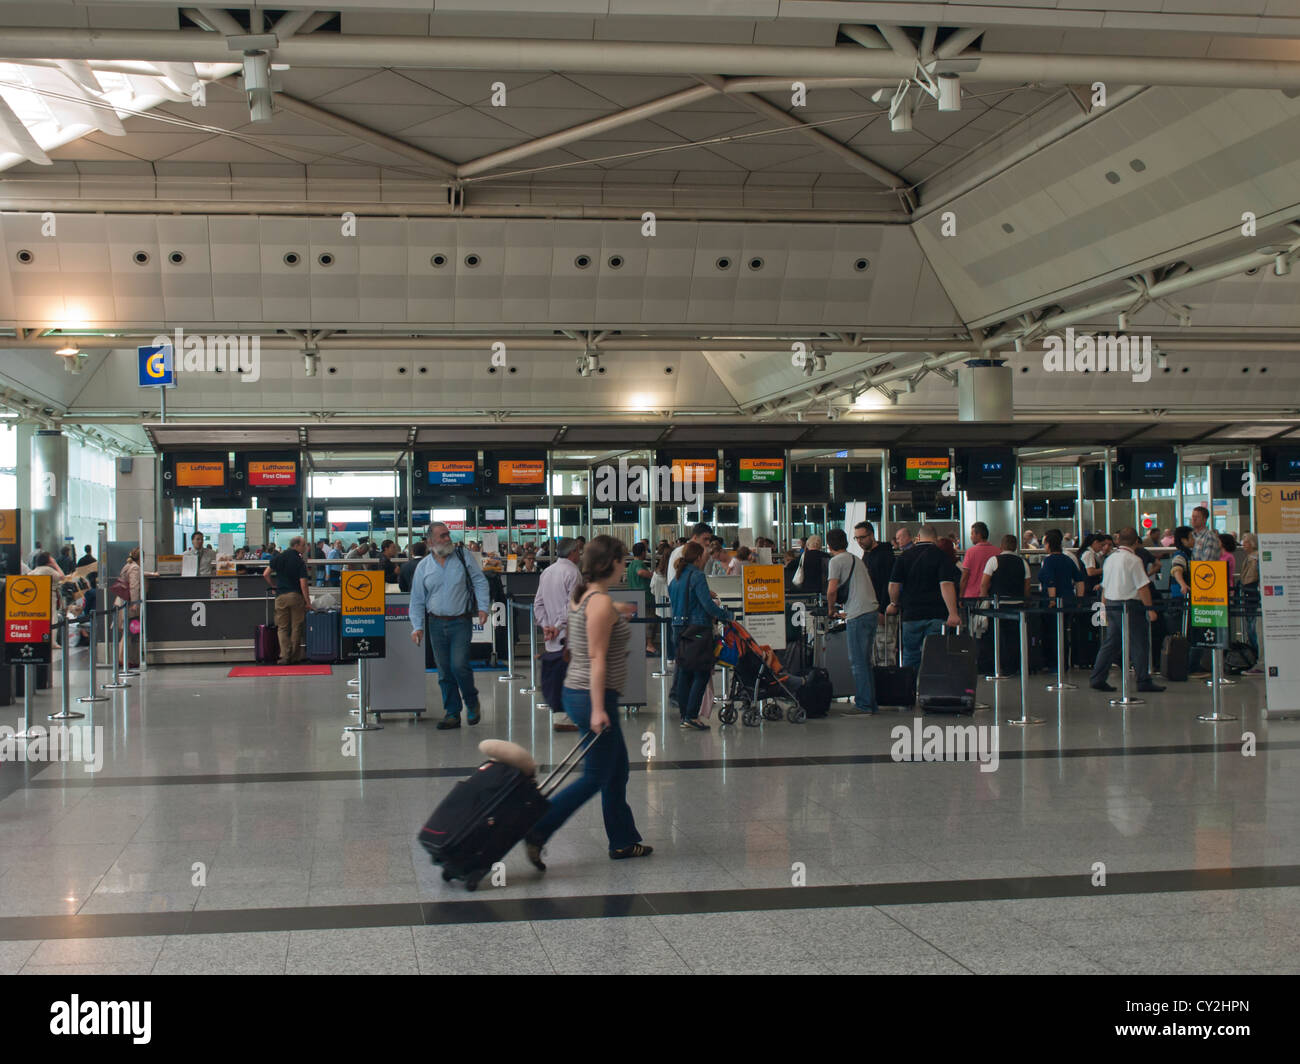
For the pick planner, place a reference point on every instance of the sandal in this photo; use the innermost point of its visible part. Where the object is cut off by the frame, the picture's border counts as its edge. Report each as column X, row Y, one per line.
column 635, row 850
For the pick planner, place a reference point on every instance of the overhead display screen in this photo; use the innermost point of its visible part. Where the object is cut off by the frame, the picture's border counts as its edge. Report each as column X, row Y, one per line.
column 209, row 473
column 455, row 472
column 762, row 470
column 1147, row 467
column 494, row 517
column 521, row 473
column 272, row 473
column 687, row 469
column 925, row 469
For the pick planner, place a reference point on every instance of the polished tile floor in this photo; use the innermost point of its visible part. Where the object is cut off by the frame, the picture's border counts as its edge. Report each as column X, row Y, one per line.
column 229, row 831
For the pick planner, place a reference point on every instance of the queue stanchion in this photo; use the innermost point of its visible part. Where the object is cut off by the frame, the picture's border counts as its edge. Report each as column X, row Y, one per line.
column 532, row 655
column 362, row 703
column 29, row 686
column 66, row 712
column 510, row 641
column 92, row 666
column 1062, row 684
column 1214, row 716
column 664, row 633
column 997, row 645
column 126, row 641
column 1124, row 699
column 117, row 682
column 1024, row 720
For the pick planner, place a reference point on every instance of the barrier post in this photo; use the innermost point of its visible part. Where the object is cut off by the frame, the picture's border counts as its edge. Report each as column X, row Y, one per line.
column 997, row 644
column 116, row 682
column 92, row 666
column 665, row 631
column 1124, row 699
column 1214, row 716
column 362, row 724
column 1061, row 683
column 66, row 712
column 510, row 641
column 1024, row 719
column 532, row 655
column 29, row 684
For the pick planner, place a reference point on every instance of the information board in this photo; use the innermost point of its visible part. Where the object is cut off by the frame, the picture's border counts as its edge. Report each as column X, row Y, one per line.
column 512, row 473
column 272, row 474
column 200, row 473
column 362, row 609
column 10, row 526
column 764, row 604
column 449, row 472
column 1278, row 512
column 27, row 620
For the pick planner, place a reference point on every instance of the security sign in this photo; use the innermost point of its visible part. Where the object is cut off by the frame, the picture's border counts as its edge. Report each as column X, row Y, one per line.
column 362, row 609
column 27, row 620
column 157, row 368
column 1209, row 583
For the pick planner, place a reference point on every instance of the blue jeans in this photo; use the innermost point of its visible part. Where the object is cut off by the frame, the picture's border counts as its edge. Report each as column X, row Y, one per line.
column 861, row 634
column 689, row 688
column 450, row 642
column 914, row 633
column 605, row 769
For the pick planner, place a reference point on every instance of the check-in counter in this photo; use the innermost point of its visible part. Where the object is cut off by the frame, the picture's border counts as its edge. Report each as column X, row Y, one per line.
column 196, row 619
column 397, row 682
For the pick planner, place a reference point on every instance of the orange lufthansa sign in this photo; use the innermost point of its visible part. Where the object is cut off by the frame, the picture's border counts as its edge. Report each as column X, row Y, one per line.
column 363, row 593
column 8, row 527
column 705, row 469
column 200, row 474
column 521, row 472
column 764, row 588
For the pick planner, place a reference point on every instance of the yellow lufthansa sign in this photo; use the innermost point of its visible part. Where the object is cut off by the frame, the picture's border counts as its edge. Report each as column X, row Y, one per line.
column 363, row 593
column 764, row 588
column 27, row 598
column 1209, row 582
column 1278, row 508
column 8, row 527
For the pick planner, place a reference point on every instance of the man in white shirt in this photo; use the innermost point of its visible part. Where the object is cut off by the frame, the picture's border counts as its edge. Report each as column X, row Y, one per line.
column 1125, row 584
column 206, row 555
column 551, row 610
column 701, row 534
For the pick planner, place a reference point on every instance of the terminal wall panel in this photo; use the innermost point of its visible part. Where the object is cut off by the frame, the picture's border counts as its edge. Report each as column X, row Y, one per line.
column 332, row 262
column 236, row 269
column 479, row 289
column 285, row 286
column 527, row 291
column 430, row 289
column 186, row 285
column 137, row 287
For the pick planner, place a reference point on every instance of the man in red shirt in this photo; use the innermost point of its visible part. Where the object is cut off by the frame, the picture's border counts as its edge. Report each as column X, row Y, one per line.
column 974, row 561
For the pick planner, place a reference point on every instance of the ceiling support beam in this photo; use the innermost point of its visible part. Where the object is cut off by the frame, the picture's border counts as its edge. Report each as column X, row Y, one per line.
column 899, row 41
column 353, row 51
column 364, row 133
column 291, row 22
column 957, row 42
column 865, row 36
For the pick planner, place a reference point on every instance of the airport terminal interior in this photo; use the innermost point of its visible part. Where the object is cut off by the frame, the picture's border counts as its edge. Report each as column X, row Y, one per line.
column 426, row 307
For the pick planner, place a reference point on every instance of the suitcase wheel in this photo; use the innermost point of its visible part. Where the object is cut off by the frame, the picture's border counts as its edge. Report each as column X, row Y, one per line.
column 471, row 882
column 771, row 711
column 751, row 718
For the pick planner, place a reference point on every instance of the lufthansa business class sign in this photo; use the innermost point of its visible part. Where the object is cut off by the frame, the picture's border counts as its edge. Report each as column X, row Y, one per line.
column 362, row 609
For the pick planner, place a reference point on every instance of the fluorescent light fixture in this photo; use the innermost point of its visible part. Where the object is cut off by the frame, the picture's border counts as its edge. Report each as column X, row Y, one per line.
column 68, row 350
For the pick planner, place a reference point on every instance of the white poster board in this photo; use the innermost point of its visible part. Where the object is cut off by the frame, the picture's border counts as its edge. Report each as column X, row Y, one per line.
column 491, row 542
column 746, row 537
column 1278, row 514
column 189, row 564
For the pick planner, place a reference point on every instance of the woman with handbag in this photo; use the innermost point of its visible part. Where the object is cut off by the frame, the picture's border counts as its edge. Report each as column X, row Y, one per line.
column 694, row 611
column 129, row 587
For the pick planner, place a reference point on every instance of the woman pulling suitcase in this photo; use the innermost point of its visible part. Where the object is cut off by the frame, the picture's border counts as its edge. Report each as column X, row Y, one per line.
column 597, row 643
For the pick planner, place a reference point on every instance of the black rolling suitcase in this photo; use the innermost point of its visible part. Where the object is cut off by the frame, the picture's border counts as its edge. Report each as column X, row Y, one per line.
column 945, row 683
column 483, row 817
column 894, row 685
column 1173, row 656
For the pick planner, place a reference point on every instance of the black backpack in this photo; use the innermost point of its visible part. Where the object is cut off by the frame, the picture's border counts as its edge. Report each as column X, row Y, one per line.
column 815, row 693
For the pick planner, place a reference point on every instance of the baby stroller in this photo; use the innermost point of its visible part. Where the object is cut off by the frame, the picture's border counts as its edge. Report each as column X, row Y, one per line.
column 759, row 682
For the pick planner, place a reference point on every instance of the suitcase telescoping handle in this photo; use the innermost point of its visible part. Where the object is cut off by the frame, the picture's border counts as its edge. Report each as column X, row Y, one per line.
column 569, row 763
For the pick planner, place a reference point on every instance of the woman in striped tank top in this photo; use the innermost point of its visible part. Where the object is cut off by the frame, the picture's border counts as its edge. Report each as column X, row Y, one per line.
column 597, row 642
